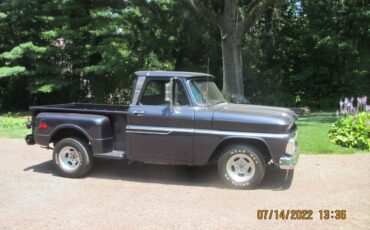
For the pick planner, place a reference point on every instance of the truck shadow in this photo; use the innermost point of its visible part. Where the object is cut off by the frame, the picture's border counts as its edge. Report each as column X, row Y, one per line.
column 206, row 176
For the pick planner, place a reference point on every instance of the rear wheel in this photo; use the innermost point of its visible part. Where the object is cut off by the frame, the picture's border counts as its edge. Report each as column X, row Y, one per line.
column 241, row 166
column 72, row 157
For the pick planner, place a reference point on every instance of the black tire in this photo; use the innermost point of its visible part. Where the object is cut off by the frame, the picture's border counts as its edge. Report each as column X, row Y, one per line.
column 252, row 168
column 79, row 147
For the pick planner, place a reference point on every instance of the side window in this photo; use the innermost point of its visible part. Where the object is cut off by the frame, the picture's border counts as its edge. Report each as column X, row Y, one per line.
column 156, row 93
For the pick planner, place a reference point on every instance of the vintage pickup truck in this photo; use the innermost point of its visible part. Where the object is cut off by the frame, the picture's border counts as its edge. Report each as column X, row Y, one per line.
column 177, row 118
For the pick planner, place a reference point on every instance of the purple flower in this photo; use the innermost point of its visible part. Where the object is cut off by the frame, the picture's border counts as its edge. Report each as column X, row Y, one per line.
column 355, row 111
column 363, row 102
column 353, row 105
column 359, row 103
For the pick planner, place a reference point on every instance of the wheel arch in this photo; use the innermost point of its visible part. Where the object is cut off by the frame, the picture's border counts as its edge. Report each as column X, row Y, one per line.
column 255, row 142
column 66, row 131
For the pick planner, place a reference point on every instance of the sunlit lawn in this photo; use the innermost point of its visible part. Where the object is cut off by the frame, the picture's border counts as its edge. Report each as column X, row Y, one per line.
column 313, row 134
column 15, row 132
column 14, row 125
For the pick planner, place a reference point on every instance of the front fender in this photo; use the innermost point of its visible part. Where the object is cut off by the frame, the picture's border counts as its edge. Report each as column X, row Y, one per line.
column 208, row 144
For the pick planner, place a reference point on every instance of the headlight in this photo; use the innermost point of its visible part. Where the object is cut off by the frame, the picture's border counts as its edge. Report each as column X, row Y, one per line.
column 290, row 147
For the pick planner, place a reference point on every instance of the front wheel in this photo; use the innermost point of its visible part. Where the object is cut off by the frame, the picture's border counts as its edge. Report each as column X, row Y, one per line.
column 72, row 157
column 241, row 166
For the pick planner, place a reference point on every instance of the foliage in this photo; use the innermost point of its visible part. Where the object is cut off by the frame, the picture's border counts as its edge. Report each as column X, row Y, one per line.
column 11, row 71
column 14, row 124
column 58, row 51
column 314, row 51
column 9, row 121
column 352, row 131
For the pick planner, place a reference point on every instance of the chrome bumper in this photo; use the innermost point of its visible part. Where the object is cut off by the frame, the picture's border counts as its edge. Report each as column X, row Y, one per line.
column 289, row 162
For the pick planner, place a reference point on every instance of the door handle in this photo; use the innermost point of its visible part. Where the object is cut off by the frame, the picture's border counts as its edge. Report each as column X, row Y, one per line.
column 138, row 113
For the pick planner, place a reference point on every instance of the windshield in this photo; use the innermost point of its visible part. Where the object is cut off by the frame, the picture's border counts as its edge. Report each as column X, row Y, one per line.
column 205, row 92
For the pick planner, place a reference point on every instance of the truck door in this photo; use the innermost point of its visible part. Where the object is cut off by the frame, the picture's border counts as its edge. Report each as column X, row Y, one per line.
column 158, row 132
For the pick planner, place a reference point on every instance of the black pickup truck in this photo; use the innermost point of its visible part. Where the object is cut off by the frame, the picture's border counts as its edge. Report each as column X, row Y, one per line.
column 177, row 118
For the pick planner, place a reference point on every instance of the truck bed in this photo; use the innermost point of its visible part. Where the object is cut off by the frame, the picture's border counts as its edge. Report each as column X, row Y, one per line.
column 116, row 113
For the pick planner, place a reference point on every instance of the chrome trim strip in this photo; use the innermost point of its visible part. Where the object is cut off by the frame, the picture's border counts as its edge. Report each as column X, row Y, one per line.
column 155, row 130
column 148, row 132
column 168, row 130
column 242, row 134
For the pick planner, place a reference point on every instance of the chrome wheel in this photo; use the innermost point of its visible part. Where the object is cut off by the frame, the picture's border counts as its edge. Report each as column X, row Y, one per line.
column 69, row 158
column 240, row 167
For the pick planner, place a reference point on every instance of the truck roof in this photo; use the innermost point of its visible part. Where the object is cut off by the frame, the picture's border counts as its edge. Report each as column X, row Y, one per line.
column 171, row 74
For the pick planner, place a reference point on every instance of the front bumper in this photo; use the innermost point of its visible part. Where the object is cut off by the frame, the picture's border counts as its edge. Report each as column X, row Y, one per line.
column 289, row 161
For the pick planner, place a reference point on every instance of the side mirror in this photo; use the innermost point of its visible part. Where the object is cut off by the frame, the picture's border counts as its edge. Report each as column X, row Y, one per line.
column 173, row 94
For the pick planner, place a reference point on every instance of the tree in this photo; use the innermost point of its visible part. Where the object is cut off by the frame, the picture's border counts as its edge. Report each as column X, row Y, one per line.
column 25, row 58
column 234, row 18
column 297, row 53
column 312, row 53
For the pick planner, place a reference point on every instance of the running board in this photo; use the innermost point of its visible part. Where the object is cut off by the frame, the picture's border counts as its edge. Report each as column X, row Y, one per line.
column 116, row 155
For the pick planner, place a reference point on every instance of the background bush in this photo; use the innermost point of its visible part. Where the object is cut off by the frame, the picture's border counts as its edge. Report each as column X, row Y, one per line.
column 352, row 131
column 11, row 120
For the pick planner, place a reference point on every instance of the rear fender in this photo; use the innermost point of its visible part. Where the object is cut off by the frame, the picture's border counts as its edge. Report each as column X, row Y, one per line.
column 95, row 128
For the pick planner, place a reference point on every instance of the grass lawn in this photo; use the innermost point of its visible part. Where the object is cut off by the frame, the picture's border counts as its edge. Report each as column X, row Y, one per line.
column 312, row 132
column 15, row 132
column 13, row 125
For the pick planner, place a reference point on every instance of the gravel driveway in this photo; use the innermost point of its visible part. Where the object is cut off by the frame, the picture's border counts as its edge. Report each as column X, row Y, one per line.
column 131, row 196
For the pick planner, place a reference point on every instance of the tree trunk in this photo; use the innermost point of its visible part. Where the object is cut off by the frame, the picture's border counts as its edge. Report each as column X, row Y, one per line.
column 233, row 24
column 233, row 86
column 231, row 38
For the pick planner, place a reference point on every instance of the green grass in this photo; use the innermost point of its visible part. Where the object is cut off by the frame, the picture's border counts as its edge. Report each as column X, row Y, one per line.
column 313, row 134
column 15, row 132
column 12, row 125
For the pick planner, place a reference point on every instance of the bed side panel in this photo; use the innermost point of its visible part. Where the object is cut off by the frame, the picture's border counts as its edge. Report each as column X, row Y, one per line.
column 96, row 128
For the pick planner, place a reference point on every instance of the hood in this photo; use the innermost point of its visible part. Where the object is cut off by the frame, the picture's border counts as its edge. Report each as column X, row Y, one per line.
column 253, row 118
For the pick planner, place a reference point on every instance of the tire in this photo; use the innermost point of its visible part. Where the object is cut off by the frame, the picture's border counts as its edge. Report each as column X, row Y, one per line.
column 241, row 166
column 72, row 157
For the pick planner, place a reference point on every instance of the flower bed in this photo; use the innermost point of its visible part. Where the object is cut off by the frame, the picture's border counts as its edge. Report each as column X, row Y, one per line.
column 352, row 129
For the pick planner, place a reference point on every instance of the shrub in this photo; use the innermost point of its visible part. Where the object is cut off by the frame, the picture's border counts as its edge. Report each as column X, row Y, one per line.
column 10, row 122
column 352, row 131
